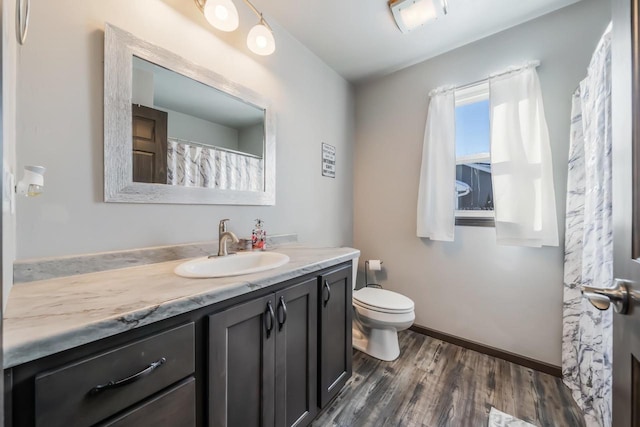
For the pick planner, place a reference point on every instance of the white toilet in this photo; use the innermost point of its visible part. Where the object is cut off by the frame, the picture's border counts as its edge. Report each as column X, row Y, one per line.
column 378, row 315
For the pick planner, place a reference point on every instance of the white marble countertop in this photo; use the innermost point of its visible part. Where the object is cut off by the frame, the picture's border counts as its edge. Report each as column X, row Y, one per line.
column 49, row 316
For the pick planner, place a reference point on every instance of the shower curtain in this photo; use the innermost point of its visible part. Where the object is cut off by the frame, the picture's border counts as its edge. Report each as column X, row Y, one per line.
column 191, row 165
column 587, row 332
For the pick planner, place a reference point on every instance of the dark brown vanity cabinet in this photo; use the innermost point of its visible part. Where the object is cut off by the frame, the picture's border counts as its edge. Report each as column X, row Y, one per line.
column 262, row 360
column 335, row 333
column 273, row 357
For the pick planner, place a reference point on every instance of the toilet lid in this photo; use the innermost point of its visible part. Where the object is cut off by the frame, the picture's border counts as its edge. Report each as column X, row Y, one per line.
column 382, row 300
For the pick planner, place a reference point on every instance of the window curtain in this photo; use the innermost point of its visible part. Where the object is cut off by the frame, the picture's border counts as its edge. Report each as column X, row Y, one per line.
column 437, row 190
column 522, row 176
column 587, row 331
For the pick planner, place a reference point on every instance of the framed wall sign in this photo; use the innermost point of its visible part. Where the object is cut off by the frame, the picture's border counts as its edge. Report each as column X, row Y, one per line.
column 328, row 160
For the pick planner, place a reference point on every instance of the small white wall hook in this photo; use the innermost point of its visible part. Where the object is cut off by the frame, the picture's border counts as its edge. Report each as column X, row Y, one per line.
column 22, row 19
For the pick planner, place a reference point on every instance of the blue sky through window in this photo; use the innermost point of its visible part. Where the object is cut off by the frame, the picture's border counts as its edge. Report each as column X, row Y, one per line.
column 472, row 128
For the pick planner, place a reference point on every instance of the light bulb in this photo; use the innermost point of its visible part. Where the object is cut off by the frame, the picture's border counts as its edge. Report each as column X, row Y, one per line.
column 260, row 40
column 221, row 14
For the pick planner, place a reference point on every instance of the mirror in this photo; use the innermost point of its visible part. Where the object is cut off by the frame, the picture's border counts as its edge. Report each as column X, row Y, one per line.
column 176, row 132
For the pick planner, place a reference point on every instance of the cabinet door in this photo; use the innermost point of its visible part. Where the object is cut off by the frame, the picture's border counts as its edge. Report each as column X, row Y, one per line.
column 335, row 332
column 296, row 354
column 242, row 365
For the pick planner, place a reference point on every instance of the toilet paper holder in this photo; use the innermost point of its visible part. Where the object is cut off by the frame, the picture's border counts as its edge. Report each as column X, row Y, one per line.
column 366, row 276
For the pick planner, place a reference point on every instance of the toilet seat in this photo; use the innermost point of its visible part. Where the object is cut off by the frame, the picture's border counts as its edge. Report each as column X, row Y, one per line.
column 382, row 301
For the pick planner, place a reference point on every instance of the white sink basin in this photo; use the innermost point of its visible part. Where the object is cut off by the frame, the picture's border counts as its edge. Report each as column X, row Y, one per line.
column 231, row 265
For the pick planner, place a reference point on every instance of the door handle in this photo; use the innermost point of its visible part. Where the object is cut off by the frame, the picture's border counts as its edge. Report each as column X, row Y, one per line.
column 602, row 298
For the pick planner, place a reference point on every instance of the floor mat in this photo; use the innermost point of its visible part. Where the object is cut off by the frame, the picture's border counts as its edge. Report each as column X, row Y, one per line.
column 500, row 419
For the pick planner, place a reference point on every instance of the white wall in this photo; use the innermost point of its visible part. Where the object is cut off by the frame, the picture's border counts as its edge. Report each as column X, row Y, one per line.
column 10, row 55
column 184, row 126
column 501, row 296
column 251, row 139
column 142, row 89
column 60, row 119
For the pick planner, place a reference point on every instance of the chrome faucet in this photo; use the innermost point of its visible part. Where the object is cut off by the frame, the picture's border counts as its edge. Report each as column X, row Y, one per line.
column 223, row 237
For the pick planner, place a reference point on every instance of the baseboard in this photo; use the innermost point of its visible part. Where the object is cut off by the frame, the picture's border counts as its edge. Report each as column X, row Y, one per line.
column 527, row 362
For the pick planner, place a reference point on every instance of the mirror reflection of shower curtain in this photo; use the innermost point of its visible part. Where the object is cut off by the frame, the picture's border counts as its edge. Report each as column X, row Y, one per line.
column 197, row 166
column 587, row 332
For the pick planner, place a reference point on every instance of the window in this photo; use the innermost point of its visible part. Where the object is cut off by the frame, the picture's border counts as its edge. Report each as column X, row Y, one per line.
column 474, row 204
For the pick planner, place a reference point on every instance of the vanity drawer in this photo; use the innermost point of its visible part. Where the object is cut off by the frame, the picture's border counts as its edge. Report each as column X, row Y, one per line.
column 173, row 408
column 80, row 394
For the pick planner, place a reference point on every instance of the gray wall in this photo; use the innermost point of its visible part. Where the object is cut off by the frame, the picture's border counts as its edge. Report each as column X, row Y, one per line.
column 506, row 297
column 251, row 139
column 60, row 125
column 184, row 126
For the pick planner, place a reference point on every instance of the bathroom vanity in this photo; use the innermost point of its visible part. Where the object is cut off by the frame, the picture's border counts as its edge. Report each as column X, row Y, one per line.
column 142, row 346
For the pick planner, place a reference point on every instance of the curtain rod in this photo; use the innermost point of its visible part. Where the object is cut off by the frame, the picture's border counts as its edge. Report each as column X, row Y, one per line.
column 509, row 70
column 213, row 147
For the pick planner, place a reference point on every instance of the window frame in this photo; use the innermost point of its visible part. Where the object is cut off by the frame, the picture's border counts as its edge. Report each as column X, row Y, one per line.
column 469, row 95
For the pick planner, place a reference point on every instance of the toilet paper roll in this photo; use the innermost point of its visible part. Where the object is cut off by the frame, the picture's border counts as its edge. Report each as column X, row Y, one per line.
column 375, row 265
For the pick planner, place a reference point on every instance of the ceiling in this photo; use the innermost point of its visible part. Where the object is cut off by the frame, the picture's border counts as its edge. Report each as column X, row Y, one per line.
column 176, row 92
column 359, row 38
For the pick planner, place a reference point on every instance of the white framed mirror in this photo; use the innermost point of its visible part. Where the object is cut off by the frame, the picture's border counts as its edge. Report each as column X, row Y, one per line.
column 176, row 132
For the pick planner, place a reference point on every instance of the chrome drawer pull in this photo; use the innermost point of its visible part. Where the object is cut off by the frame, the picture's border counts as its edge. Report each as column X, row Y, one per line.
column 126, row 381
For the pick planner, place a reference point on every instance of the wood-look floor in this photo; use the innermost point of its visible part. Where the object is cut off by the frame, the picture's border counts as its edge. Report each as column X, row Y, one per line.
column 437, row 384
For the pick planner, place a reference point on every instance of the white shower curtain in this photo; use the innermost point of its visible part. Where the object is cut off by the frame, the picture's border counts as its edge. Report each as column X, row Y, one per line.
column 437, row 190
column 586, row 343
column 521, row 168
column 191, row 165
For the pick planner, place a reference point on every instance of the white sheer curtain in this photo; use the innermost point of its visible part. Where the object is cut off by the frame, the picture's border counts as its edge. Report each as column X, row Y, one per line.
column 524, row 196
column 437, row 192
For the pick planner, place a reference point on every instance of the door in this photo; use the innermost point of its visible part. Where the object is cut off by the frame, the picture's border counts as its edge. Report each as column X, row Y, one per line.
column 296, row 354
column 335, row 332
column 242, row 365
column 149, row 145
column 626, row 212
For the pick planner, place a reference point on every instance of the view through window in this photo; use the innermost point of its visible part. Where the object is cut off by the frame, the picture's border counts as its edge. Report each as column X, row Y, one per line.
column 473, row 160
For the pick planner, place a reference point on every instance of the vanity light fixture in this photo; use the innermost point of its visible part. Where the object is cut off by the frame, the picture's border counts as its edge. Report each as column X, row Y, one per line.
column 411, row 14
column 223, row 15
column 32, row 182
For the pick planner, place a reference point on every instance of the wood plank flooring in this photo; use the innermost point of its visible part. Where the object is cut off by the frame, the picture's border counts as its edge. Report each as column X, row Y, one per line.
column 437, row 384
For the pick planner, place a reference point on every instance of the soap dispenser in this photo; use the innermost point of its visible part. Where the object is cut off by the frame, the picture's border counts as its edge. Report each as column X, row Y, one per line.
column 259, row 237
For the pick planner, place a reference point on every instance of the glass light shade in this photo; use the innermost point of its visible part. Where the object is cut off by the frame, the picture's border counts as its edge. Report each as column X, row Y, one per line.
column 260, row 40
column 221, row 14
column 411, row 14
